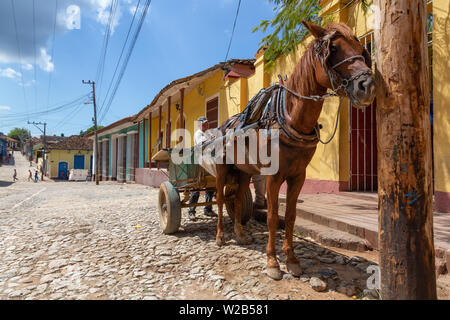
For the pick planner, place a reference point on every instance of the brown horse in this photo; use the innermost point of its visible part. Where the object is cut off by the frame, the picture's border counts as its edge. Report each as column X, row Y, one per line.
column 334, row 60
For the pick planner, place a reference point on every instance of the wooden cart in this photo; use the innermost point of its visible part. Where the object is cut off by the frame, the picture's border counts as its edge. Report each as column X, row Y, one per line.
column 184, row 179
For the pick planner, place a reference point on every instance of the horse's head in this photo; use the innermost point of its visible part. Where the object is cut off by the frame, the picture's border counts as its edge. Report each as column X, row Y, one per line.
column 342, row 63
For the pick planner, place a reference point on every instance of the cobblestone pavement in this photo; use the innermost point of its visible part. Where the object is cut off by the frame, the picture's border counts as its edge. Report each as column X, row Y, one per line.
column 67, row 240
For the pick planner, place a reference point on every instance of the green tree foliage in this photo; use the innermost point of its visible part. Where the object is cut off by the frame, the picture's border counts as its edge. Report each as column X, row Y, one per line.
column 19, row 134
column 89, row 130
column 287, row 30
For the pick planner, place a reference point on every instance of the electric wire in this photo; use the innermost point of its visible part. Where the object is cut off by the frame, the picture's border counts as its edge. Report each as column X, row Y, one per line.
column 102, row 60
column 121, row 53
column 232, row 33
column 127, row 58
column 34, row 47
column 54, row 109
column 52, row 54
column 20, row 55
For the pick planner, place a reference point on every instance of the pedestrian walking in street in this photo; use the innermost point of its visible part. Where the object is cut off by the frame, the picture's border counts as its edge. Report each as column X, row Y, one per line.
column 15, row 175
column 36, row 176
column 30, row 176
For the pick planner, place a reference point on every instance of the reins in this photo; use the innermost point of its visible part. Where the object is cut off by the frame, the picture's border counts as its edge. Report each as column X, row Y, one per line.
column 344, row 83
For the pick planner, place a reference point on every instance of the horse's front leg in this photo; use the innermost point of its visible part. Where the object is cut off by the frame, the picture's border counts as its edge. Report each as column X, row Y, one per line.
column 293, row 190
column 220, row 183
column 244, row 182
column 273, row 184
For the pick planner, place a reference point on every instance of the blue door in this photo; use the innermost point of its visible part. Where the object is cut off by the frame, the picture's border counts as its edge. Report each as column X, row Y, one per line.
column 78, row 162
column 62, row 170
column 90, row 164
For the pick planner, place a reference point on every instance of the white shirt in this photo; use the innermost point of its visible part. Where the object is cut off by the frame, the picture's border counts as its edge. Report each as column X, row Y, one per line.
column 200, row 137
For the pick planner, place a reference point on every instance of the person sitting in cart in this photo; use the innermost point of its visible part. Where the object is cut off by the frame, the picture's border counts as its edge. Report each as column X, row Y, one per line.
column 200, row 136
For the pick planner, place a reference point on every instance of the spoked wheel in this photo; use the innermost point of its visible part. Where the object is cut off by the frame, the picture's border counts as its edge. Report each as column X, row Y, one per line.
column 169, row 207
column 247, row 204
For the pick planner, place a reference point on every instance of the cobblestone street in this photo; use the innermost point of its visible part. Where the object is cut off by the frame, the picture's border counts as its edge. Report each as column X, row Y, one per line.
column 68, row 240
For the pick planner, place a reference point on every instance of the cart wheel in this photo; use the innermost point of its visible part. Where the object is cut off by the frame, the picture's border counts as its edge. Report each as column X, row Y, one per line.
column 169, row 208
column 247, row 205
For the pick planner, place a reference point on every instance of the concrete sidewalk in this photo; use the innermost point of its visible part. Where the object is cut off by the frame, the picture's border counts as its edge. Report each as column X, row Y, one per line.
column 349, row 220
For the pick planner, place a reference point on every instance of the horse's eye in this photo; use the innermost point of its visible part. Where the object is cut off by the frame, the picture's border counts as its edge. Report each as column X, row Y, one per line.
column 333, row 49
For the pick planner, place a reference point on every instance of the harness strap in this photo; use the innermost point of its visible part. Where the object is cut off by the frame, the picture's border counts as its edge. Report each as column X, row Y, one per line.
column 346, row 60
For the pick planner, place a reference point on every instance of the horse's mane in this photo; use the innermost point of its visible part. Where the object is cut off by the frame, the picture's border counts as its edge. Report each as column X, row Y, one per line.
column 303, row 78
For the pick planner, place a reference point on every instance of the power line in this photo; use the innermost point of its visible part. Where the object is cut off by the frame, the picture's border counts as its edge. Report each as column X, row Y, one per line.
column 69, row 116
column 234, row 27
column 20, row 55
column 55, row 109
column 34, row 46
column 127, row 57
column 121, row 53
column 102, row 60
column 52, row 54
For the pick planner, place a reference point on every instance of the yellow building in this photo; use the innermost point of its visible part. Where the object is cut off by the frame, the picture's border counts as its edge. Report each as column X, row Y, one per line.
column 74, row 152
column 349, row 162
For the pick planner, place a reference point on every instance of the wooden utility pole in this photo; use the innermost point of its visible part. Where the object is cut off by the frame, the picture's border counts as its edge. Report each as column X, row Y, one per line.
column 404, row 151
column 44, row 140
column 95, row 130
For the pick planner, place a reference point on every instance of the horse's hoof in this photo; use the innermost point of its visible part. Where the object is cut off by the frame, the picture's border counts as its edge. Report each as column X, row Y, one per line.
column 220, row 241
column 294, row 269
column 274, row 273
column 243, row 240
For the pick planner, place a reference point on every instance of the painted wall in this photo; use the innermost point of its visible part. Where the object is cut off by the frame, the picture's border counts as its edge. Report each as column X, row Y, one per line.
column 57, row 156
column 331, row 162
column 441, row 97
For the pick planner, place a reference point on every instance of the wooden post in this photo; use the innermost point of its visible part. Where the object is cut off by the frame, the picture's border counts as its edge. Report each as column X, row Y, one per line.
column 182, row 111
column 149, row 143
column 150, row 139
column 137, row 145
column 404, row 145
column 169, row 130
column 159, row 129
column 143, row 143
column 159, row 141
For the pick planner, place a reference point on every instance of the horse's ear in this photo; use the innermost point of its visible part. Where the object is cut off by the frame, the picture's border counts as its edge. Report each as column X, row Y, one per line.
column 367, row 58
column 316, row 31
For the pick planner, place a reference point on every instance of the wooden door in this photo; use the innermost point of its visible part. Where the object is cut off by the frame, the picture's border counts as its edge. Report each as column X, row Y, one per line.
column 212, row 112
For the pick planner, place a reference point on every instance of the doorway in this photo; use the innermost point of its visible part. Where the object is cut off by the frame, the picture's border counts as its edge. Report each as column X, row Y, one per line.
column 363, row 149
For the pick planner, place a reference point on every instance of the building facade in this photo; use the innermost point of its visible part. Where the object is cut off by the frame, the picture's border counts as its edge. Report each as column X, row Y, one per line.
column 118, row 149
column 74, row 152
column 349, row 162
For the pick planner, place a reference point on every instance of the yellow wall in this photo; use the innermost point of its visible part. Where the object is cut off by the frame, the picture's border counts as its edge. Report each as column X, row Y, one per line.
column 57, row 156
column 331, row 162
column 195, row 106
column 441, row 94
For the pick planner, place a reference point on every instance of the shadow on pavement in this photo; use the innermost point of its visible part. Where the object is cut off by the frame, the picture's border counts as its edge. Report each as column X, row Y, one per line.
column 5, row 183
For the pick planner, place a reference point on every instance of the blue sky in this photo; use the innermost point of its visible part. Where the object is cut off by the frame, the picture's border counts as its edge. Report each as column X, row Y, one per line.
column 177, row 39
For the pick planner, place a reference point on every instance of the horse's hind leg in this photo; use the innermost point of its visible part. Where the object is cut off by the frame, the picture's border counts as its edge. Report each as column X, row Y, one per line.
column 244, row 182
column 293, row 190
column 273, row 184
column 220, row 183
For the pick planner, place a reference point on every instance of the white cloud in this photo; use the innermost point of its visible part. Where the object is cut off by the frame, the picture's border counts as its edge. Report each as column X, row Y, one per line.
column 132, row 9
column 7, row 108
column 103, row 10
column 9, row 73
column 31, row 39
column 44, row 61
column 27, row 66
